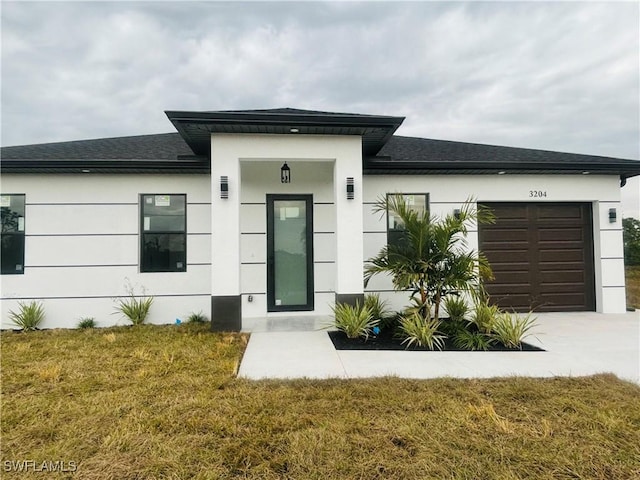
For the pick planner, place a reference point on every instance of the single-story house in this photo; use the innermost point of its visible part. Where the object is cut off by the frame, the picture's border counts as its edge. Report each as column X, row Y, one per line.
column 260, row 213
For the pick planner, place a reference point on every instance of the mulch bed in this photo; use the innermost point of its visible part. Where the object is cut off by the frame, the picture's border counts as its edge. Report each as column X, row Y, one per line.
column 386, row 341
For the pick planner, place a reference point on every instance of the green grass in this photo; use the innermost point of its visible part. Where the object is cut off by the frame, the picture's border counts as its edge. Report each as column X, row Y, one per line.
column 163, row 402
column 632, row 275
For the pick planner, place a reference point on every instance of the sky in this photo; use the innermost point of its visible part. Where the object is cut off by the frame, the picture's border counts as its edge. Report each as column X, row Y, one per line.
column 561, row 76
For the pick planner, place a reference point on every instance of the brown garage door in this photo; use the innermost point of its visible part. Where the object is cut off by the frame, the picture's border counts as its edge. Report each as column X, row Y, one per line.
column 541, row 255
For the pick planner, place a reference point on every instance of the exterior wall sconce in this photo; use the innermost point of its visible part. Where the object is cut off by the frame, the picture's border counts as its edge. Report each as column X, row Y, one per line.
column 612, row 215
column 224, row 187
column 285, row 173
column 456, row 213
column 350, row 188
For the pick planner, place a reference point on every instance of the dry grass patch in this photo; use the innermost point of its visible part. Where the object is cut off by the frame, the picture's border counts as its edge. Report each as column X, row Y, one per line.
column 632, row 277
column 163, row 402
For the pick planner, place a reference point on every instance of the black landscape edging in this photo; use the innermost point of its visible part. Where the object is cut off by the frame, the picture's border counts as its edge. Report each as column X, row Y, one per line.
column 388, row 342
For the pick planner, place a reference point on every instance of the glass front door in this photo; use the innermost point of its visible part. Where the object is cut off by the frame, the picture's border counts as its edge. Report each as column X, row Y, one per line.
column 289, row 252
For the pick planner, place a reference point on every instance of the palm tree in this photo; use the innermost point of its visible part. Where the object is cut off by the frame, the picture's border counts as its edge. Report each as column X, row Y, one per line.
column 432, row 259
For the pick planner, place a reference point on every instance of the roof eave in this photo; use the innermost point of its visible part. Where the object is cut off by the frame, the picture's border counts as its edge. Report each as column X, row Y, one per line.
column 182, row 165
column 382, row 167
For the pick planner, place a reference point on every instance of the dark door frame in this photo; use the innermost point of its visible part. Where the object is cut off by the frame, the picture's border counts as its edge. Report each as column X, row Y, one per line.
column 271, row 274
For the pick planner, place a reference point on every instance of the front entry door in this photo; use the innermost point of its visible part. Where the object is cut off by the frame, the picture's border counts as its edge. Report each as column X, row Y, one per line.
column 289, row 252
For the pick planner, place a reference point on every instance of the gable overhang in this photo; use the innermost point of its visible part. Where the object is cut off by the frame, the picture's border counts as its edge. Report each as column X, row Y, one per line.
column 196, row 127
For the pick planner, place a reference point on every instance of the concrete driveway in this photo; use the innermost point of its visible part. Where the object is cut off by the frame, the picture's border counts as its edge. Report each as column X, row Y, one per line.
column 576, row 344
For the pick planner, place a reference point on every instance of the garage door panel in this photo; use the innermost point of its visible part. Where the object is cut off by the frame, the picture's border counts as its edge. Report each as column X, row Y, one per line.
column 505, row 235
column 562, row 288
column 552, row 270
column 568, row 300
column 518, row 303
column 562, row 276
column 507, row 277
column 509, row 256
column 510, row 289
column 559, row 212
column 560, row 255
column 511, row 212
column 571, row 234
column 552, row 267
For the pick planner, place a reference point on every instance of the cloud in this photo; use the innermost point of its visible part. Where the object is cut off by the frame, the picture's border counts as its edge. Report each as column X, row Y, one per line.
column 559, row 76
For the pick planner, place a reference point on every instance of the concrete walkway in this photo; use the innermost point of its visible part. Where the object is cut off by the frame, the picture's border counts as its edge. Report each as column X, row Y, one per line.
column 576, row 344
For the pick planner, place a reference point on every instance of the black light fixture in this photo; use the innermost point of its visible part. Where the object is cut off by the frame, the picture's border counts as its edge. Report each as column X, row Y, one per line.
column 224, row 187
column 612, row 215
column 285, row 173
column 456, row 213
column 350, row 188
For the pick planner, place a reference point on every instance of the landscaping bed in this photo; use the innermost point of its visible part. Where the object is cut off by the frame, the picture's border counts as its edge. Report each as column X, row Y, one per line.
column 386, row 340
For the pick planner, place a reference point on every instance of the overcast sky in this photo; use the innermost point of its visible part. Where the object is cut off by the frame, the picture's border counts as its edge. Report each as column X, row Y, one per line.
column 560, row 76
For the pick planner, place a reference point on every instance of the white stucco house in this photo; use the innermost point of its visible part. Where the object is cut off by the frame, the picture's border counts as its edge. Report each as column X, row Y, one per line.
column 253, row 214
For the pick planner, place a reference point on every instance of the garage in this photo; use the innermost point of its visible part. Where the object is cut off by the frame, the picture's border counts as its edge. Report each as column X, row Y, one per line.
column 541, row 255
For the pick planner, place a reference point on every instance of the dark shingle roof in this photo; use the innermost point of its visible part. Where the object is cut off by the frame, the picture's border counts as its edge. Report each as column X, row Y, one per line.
column 421, row 155
column 169, row 152
column 164, row 146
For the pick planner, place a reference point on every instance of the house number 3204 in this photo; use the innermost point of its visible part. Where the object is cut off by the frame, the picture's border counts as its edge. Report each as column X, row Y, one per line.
column 537, row 193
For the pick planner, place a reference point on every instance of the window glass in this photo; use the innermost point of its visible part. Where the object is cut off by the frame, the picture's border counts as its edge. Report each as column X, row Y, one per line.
column 418, row 202
column 12, row 233
column 164, row 252
column 163, row 233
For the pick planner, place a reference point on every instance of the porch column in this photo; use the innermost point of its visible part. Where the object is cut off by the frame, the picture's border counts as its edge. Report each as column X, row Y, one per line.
column 226, row 304
column 349, row 225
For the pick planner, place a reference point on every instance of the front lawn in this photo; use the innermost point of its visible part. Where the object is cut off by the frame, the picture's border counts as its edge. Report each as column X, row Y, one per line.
column 163, row 402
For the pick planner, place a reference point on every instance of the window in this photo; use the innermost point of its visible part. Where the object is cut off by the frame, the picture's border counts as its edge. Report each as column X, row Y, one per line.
column 12, row 237
column 163, row 243
column 418, row 202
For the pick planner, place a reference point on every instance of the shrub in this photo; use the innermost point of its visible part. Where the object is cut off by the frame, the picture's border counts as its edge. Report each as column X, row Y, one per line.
column 423, row 333
column 510, row 328
column 468, row 340
column 29, row 316
column 377, row 307
column 355, row 321
column 197, row 317
column 457, row 308
column 87, row 322
column 134, row 308
column 483, row 317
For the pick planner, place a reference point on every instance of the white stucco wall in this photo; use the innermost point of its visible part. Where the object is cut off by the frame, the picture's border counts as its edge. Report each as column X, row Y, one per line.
column 82, row 231
column 82, row 243
column 449, row 192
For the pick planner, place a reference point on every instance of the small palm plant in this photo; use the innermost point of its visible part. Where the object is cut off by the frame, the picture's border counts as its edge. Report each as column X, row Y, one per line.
column 29, row 316
column 433, row 260
column 355, row 321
